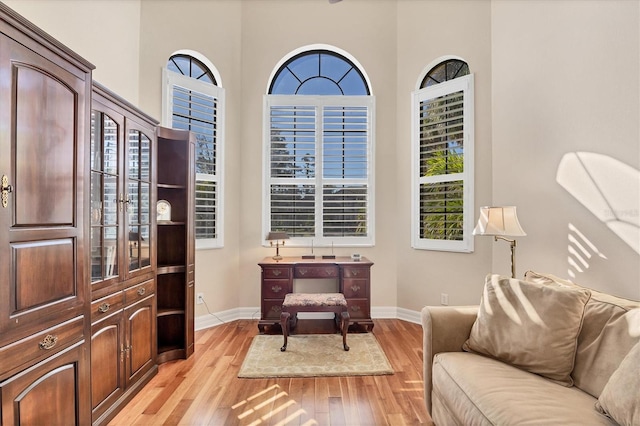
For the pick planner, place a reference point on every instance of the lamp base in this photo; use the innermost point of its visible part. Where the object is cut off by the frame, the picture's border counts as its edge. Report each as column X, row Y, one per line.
column 277, row 257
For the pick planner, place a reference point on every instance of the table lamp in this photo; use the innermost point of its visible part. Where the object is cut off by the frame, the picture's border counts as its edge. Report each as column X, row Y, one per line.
column 277, row 237
column 501, row 222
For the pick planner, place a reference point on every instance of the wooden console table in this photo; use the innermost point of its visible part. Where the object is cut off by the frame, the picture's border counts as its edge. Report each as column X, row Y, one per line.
column 353, row 281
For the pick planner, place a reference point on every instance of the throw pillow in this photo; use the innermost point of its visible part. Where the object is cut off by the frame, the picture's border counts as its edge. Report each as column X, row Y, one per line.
column 620, row 398
column 531, row 326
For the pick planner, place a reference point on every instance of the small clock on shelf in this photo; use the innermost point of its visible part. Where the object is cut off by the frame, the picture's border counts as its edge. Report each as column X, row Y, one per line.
column 164, row 211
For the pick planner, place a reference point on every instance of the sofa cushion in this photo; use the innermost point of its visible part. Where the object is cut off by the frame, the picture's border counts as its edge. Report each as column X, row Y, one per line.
column 620, row 398
column 474, row 389
column 529, row 325
column 611, row 327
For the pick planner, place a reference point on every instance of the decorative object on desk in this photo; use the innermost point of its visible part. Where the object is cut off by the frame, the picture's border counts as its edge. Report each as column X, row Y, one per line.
column 314, row 355
column 277, row 237
column 309, row 256
column 329, row 256
column 501, row 222
column 163, row 207
column 356, row 257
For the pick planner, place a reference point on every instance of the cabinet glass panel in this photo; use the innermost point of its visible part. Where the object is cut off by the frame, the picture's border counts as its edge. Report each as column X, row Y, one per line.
column 104, row 196
column 139, row 199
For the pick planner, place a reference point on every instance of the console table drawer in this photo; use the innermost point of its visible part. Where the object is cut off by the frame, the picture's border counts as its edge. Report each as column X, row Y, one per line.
column 275, row 289
column 313, row 271
column 272, row 308
column 355, row 288
column 358, row 308
column 355, row 272
column 107, row 305
column 278, row 272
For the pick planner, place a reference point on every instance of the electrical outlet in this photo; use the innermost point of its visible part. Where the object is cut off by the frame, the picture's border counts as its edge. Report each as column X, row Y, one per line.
column 444, row 299
column 200, row 298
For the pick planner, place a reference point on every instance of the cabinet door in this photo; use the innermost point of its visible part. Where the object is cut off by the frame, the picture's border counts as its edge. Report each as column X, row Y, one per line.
column 139, row 199
column 42, row 138
column 140, row 352
column 107, row 359
column 107, row 195
column 52, row 392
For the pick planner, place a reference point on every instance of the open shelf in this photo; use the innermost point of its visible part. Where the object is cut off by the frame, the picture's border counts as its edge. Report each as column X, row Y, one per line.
column 176, row 245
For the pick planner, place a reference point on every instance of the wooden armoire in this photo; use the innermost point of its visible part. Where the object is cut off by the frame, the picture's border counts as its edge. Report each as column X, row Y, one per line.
column 45, row 101
column 80, row 321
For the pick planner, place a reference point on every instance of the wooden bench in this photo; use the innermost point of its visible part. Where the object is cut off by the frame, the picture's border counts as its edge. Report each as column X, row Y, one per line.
column 314, row 302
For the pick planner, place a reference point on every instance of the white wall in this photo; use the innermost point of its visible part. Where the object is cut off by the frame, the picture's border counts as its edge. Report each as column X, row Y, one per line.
column 429, row 30
column 565, row 80
column 551, row 78
column 105, row 32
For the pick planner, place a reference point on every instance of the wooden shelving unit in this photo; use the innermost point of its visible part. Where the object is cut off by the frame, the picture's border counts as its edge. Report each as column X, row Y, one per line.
column 176, row 245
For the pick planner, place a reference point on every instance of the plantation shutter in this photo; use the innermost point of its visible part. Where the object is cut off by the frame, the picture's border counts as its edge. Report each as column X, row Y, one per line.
column 198, row 106
column 443, row 163
column 319, row 179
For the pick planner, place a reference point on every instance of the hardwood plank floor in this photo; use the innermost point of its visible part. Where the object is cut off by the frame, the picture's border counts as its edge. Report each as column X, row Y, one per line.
column 205, row 389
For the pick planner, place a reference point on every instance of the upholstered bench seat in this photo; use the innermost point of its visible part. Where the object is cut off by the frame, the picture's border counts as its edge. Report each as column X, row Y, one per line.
column 314, row 302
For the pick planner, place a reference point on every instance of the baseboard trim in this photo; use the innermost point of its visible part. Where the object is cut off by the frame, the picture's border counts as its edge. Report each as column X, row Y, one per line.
column 377, row 312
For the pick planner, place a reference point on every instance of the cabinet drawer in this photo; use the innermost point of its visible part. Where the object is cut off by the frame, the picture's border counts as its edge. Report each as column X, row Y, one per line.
column 104, row 307
column 355, row 288
column 277, row 272
column 358, row 308
column 40, row 345
column 313, row 271
column 139, row 291
column 355, row 272
column 275, row 289
column 271, row 309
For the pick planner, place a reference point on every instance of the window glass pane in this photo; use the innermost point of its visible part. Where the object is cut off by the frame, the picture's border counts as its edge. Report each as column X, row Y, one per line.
column 344, row 210
column 442, row 135
column 285, row 83
column 293, row 209
column 206, row 205
column 293, row 141
column 345, row 142
column 305, row 67
column 180, row 64
column 333, row 67
column 353, row 84
column 441, row 210
column 319, row 86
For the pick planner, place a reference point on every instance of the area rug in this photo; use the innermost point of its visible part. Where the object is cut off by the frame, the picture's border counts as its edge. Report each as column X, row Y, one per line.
column 314, row 355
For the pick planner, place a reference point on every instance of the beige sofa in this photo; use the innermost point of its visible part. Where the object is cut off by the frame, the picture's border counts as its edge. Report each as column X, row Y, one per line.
column 486, row 385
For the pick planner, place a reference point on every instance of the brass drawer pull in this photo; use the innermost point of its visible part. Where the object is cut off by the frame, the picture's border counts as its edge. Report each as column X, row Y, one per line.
column 355, row 288
column 104, row 307
column 48, row 342
column 276, row 288
column 141, row 291
column 355, row 308
column 277, row 272
column 302, row 271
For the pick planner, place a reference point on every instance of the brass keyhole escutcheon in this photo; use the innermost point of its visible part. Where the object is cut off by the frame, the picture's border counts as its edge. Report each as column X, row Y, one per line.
column 5, row 189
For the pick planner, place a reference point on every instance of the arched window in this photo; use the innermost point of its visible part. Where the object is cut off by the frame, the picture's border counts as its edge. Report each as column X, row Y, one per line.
column 318, row 165
column 193, row 100
column 442, row 158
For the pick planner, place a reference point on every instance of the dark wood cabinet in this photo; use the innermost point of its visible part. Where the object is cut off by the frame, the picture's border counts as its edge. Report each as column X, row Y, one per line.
column 123, row 287
column 176, row 244
column 353, row 280
column 45, row 94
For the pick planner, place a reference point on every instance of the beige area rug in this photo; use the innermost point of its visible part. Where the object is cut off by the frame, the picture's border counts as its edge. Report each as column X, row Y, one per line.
column 314, row 355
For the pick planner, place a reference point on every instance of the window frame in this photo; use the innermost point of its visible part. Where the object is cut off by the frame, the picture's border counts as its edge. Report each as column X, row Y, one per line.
column 319, row 101
column 172, row 79
column 466, row 245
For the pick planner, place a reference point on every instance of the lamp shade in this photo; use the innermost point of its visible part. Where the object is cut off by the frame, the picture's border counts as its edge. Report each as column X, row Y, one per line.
column 501, row 221
column 271, row 236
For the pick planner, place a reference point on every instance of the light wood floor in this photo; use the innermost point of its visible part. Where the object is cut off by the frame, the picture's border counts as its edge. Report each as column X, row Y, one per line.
column 205, row 389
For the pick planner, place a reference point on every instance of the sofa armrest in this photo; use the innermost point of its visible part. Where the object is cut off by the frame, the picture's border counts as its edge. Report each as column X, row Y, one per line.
column 445, row 329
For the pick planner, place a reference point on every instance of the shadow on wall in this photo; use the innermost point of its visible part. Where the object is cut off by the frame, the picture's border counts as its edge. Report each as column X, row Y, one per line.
column 608, row 188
